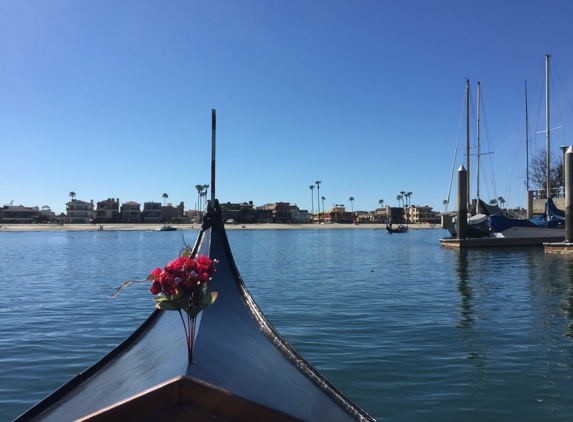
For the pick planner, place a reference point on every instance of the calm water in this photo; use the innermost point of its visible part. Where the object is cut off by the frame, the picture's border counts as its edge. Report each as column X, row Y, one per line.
column 409, row 330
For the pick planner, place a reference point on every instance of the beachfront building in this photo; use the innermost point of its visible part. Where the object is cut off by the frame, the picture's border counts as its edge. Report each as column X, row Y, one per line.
column 192, row 215
column 18, row 214
column 240, row 213
column 107, row 211
column 384, row 215
column 264, row 216
column 151, row 212
column 338, row 215
column 79, row 212
column 280, row 210
column 387, row 213
column 130, row 212
column 299, row 216
column 170, row 214
column 46, row 213
column 419, row 214
column 367, row 217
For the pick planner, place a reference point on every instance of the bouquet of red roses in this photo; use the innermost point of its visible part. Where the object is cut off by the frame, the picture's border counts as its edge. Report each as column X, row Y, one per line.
column 182, row 285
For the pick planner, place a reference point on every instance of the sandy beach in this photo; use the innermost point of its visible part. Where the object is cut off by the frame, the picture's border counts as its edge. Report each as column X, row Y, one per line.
column 152, row 227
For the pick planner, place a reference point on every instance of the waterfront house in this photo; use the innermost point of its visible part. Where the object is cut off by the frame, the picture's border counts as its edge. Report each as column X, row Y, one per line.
column 107, row 211
column 280, row 210
column 299, row 216
column 46, row 213
column 131, row 212
column 18, row 214
column 169, row 213
column 367, row 217
column 338, row 215
column 151, row 212
column 387, row 213
column 264, row 216
column 79, row 212
column 419, row 214
column 241, row 212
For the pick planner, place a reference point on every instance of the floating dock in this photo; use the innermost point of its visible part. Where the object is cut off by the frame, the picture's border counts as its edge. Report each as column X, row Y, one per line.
column 562, row 248
column 486, row 242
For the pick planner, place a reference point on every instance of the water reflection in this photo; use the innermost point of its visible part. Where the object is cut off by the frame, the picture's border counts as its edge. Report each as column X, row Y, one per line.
column 470, row 267
column 465, row 289
column 567, row 307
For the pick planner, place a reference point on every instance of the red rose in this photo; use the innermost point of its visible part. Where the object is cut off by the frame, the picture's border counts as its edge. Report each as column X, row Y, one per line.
column 155, row 288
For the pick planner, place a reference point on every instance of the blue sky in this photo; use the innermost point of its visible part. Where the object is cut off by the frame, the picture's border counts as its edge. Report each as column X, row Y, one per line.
column 113, row 99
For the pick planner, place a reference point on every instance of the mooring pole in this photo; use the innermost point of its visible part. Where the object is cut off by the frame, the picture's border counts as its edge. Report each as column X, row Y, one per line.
column 569, row 195
column 462, row 205
column 529, row 204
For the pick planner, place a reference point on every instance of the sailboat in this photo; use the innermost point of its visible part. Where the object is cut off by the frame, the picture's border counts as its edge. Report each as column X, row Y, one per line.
column 478, row 220
column 550, row 224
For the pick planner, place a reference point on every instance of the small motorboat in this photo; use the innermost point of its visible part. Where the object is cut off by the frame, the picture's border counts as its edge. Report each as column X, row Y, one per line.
column 166, row 229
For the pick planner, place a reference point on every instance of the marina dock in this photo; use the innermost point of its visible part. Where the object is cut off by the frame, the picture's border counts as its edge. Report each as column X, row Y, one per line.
column 563, row 248
column 455, row 243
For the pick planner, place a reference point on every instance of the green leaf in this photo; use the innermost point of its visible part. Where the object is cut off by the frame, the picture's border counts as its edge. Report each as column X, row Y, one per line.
column 169, row 306
column 209, row 298
column 167, row 298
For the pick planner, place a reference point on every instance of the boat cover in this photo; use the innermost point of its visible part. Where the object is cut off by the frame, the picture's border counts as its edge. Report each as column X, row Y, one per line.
column 500, row 223
column 486, row 209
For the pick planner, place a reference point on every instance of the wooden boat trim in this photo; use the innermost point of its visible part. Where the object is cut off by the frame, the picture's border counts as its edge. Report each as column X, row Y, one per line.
column 187, row 398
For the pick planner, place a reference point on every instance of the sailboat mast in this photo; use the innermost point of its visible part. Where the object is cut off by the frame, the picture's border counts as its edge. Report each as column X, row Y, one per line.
column 468, row 140
column 526, row 141
column 547, row 128
column 478, row 145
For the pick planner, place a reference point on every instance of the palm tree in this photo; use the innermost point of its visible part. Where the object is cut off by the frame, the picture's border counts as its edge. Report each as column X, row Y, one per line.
column 318, row 182
column 199, row 190
column 312, row 197
column 501, row 200
column 351, row 199
column 445, row 202
column 203, row 196
column 493, row 202
column 73, row 195
column 399, row 198
column 323, row 198
column 165, row 196
column 205, row 187
column 409, row 194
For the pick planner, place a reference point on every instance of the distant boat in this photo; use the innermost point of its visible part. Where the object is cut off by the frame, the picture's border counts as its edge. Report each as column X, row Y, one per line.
column 400, row 229
column 166, row 229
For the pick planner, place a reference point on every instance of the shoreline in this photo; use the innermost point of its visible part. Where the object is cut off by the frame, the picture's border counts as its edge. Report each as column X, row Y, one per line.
column 154, row 227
